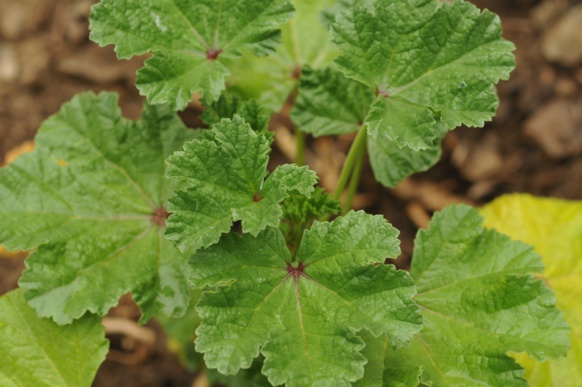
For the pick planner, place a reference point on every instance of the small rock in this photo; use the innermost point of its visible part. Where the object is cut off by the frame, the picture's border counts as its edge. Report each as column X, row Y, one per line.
column 22, row 17
column 77, row 21
column 34, row 57
column 557, row 128
column 562, row 43
column 566, row 87
column 547, row 11
column 8, row 63
column 480, row 160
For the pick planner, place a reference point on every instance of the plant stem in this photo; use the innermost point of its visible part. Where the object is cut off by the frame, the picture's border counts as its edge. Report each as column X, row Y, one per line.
column 300, row 155
column 356, row 152
column 355, row 180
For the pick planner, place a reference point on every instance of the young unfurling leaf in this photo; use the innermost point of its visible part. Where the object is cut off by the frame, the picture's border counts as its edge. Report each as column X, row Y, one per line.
column 226, row 174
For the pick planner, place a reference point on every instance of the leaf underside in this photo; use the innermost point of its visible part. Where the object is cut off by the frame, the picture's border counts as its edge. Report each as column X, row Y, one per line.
column 302, row 316
column 479, row 302
column 92, row 197
column 189, row 40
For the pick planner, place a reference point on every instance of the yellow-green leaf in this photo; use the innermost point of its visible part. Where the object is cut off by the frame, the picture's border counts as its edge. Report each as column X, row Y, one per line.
column 554, row 228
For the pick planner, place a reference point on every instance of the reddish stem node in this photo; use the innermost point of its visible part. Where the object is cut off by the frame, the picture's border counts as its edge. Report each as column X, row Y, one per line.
column 257, row 197
column 213, row 53
column 296, row 272
column 160, row 216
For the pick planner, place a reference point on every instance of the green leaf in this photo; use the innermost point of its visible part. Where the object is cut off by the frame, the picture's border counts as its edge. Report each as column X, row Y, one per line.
column 428, row 62
column 250, row 377
column 329, row 103
column 554, row 228
column 93, row 193
column 302, row 314
column 300, row 208
column 227, row 106
column 478, row 303
column 378, row 373
column 225, row 171
column 305, row 42
column 189, row 40
column 392, row 164
column 36, row 352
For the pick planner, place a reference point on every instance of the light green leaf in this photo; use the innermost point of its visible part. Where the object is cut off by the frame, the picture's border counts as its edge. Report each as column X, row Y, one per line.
column 180, row 332
column 302, row 314
column 377, row 373
column 189, row 40
column 554, row 228
column 94, row 190
column 225, row 171
column 478, row 303
column 305, row 42
column 428, row 62
column 299, row 208
column 227, row 106
column 36, row 352
column 329, row 103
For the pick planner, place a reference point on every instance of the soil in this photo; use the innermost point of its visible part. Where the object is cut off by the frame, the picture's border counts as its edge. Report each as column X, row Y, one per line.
column 533, row 145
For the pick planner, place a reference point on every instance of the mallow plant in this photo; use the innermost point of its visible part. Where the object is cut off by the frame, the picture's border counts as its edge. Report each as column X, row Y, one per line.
column 287, row 274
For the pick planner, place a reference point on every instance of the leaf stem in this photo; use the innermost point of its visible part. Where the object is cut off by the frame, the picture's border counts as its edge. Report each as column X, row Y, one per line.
column 300, row 145
column 355, row 179
column 356, row 152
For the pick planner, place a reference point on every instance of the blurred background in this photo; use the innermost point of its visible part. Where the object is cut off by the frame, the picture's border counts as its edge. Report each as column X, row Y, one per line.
column 533, row 145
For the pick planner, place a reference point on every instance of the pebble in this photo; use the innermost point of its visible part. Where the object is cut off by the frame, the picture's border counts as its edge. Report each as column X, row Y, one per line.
column 561, row 43
column 557, row 128
column 9, row 67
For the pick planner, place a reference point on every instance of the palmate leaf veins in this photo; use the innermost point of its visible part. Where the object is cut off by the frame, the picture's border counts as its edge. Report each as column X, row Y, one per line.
column 189, row 40
column 302, row 313
column 426, row 61
column 415, row 69
column 479, row 303
column 92, row 198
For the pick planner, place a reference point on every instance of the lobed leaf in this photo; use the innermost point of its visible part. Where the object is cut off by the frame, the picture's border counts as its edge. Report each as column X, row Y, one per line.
column 225, row 171
column 427, row 61
column 392, row 164
column 92, row 196
column 331, row 104
column 478, row 302
column 227, row 106
column 302, row 315
column 299, row 208
column 554, row 228
column 189, row 40
column 305, row 42
column 36, row 352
